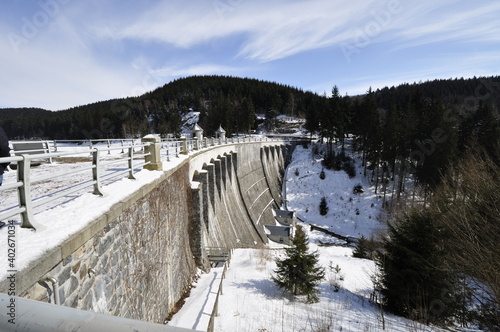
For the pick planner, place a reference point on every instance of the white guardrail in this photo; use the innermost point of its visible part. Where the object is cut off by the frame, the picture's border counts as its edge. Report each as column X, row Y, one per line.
column 95, row 163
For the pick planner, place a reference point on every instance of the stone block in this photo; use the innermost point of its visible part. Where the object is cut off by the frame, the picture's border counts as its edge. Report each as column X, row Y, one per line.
column 76, row 267
column 67, row 260
column 88, row 283
column 64, row 275
column 105, row 244
column 73, row 285
column 62, row 296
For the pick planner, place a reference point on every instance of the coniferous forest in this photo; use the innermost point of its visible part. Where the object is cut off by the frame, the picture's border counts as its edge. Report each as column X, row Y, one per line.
column 227, row 101
column 441, row 250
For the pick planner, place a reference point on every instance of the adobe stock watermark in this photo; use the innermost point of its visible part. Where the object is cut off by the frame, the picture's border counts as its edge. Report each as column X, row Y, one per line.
column 32, row 26
column 224, row 6
column 363, row 36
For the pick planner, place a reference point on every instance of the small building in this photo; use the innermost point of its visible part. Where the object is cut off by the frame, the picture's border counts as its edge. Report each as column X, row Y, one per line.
column 220, row 133
column 197, row 132
column 285, row 218
column 280, row 234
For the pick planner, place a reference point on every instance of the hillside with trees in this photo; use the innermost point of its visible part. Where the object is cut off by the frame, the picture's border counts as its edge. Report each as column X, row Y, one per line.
column 435, row 146
column 228, row 101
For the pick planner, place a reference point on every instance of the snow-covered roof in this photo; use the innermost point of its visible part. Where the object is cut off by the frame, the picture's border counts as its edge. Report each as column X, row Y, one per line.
column 197, row 127
column 279, row 230
column 221, row 130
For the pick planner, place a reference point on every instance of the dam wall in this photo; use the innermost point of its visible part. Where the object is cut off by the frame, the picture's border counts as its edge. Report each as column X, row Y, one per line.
column 140, row 258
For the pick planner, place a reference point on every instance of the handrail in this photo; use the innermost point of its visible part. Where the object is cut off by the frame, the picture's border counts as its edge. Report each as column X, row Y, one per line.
column 26, row 204
column 215, row 310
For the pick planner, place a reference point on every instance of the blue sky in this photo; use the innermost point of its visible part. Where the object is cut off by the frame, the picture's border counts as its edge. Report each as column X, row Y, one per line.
column 58, row 54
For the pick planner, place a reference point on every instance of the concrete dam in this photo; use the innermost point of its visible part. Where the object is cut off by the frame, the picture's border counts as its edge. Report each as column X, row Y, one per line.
column 140, row 258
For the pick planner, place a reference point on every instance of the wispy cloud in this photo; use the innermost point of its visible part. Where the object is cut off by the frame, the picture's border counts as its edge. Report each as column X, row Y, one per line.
column 269, row 30
column 278, row 29
column 425, row 22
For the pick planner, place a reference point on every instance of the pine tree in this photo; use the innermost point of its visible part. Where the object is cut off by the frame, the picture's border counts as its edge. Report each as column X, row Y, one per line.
column 323, row 207
column 322, row 174
column 298, row 272
column 414, row 280
column 362, row 249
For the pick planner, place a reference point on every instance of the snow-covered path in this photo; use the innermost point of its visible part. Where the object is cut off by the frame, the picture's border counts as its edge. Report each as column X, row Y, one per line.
column 196, row 311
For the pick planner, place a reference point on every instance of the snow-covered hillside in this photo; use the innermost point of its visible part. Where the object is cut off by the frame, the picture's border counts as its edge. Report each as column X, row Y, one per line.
column 348, row 214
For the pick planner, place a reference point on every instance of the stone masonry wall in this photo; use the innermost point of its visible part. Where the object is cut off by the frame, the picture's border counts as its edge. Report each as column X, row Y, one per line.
column 137, row 266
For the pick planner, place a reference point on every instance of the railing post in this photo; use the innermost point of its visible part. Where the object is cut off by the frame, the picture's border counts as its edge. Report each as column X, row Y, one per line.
column 152, row 152
column 24, row 194
column 131, row 163
column 184, row 143
column 47, row 150
column 96, row 173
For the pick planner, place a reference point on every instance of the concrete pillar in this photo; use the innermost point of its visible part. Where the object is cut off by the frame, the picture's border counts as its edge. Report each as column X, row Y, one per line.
column 184, row 145
column 223, row 160
column 229, row 160
column 197, row 228
column 234, row 162
column 218, row 175
column 211, row 183
column 152, row 153
column 202, row 177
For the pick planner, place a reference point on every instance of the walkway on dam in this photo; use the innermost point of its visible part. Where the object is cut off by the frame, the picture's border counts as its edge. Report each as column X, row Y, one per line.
column 196, row 311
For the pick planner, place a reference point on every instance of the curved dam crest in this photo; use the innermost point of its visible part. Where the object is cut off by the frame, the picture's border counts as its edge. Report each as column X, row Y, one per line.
column 140, row 258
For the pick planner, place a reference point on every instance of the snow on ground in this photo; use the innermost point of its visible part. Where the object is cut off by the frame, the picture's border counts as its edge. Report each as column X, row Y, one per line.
column 198, row 308
column 252, row 302
column 305, row 190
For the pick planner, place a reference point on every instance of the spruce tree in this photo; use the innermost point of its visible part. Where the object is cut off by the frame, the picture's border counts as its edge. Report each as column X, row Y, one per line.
column 298, row 272
column 323, row 207
column 414, row 280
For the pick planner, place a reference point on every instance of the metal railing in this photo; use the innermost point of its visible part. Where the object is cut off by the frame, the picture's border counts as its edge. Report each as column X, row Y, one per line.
column 99, row 171
column 215, row 310
column 97, row 167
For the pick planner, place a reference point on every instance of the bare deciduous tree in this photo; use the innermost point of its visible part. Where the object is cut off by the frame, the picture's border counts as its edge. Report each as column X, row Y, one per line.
column 468, row 202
